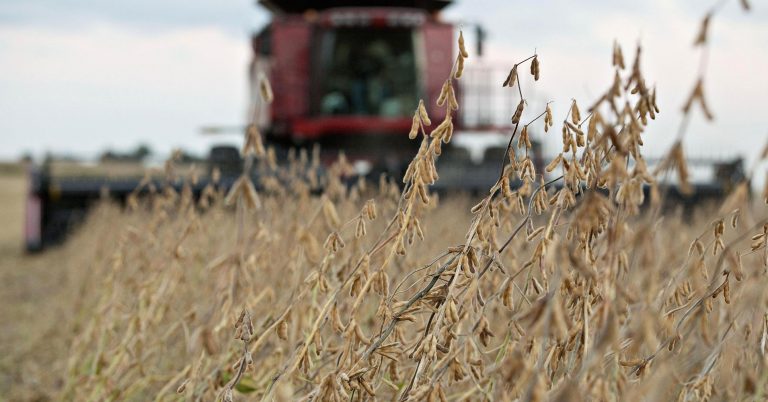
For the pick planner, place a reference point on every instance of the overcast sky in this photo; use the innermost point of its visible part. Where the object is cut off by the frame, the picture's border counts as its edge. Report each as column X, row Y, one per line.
column 79, row 76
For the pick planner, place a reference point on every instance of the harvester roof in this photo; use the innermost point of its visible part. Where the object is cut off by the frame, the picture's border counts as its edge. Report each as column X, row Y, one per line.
column 300, row 6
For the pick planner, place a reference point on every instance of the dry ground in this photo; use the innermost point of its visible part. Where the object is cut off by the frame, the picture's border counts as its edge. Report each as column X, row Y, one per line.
column 28, row 296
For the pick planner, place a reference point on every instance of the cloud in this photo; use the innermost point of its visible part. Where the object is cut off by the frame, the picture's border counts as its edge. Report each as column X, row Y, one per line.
column 231, row 16
column 105, row 85
column 574, row 41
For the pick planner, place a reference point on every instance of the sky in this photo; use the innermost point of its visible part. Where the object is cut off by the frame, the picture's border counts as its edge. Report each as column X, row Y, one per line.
column 80, row 76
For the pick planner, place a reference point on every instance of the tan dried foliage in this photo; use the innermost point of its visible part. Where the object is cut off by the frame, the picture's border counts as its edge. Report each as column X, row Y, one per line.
column 389, row 293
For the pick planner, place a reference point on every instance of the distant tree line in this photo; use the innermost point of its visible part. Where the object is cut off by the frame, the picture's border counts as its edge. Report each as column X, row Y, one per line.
column 139, row 154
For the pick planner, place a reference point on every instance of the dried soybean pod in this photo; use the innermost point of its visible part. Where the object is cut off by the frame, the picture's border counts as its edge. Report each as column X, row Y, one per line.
column 462, row 48
column 459, row 67
column 535, row 68
column 266, row 89
column 423, row 113
column 510, row 81
column 414, row 127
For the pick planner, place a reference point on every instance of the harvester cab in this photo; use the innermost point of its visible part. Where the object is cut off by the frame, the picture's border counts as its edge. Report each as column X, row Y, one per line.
column 348, row 74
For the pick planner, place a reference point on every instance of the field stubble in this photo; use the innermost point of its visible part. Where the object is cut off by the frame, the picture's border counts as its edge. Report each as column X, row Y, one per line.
column 529, row 293
column 131, row 313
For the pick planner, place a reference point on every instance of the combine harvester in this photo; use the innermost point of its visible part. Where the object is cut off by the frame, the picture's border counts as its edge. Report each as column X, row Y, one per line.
column 346, row 75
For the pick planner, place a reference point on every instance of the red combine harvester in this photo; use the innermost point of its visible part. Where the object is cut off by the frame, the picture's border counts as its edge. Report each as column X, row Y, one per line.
column 346, row 74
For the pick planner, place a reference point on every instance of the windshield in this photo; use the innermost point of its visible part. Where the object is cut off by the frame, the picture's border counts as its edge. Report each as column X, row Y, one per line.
column 367, row 71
